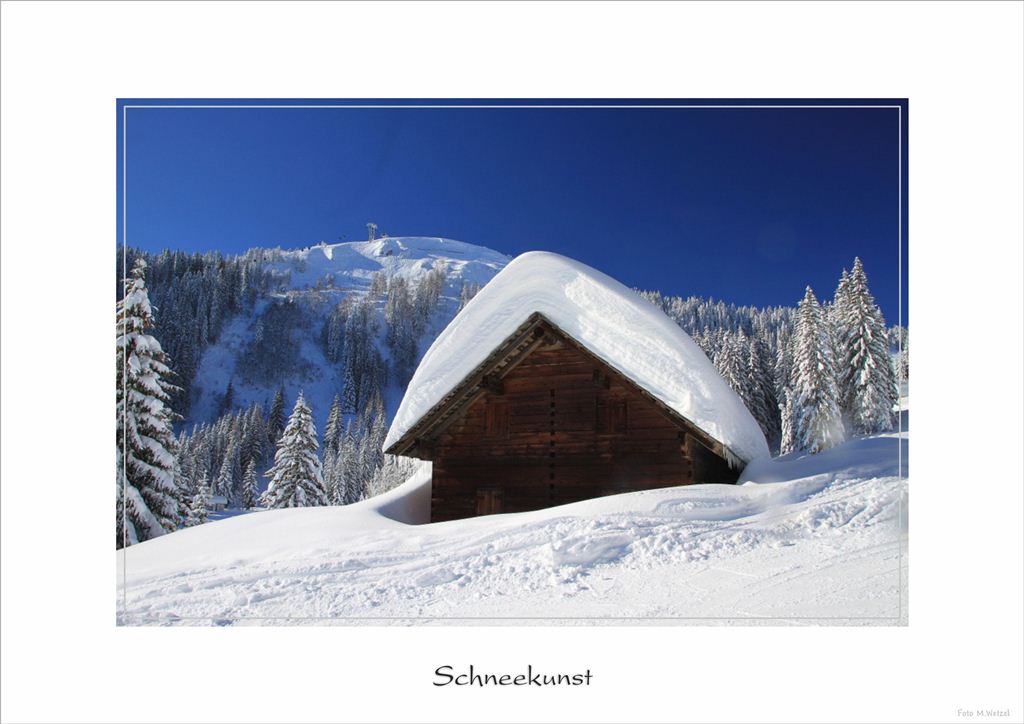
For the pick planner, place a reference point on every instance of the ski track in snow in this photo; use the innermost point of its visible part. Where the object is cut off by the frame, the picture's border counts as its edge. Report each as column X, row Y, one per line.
column 817, row 539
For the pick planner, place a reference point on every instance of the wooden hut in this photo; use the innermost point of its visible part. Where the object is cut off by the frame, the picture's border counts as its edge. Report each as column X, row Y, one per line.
column 543, row 420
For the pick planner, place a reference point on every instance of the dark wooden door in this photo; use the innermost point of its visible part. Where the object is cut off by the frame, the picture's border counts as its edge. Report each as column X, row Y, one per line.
column 488, row 501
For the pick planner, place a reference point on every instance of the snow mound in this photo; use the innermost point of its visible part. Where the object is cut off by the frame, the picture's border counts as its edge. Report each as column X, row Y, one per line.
column 808, row 537
column 281, row 534
column 613, row 322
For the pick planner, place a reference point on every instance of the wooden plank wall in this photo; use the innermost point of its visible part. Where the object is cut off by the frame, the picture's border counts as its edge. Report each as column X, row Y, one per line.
column 559, row 431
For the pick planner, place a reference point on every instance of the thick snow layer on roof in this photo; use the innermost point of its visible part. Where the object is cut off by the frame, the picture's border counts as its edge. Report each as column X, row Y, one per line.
column 607, row 318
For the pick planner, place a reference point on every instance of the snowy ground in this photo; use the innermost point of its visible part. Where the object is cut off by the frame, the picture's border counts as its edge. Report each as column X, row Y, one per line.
column 810, row 540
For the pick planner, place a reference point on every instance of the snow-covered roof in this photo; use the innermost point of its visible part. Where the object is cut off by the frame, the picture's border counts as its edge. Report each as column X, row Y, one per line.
column 611, row 321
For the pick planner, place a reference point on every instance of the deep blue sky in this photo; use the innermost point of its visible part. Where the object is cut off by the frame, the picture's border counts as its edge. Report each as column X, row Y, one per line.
column 742, row 204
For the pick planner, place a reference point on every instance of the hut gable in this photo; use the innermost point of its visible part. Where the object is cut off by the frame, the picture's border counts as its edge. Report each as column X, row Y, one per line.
column 592, row 392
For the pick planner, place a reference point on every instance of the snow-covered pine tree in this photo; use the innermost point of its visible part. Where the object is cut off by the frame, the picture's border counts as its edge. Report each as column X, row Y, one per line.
column 121, row 484
column 833, row 314
column 197, row 509
column 783, row 365
column 327, row 473
column 350, row 388
column 229, row 399
column 787, row 441
column 373, row 423
column 377, row 433
column 373, row 379
column 229, row 476
column 402, row 328
column 342, row 492
column 354, row 357
column 250, row 486
column 904, row 362
column 428, row 294
column 201, row 462
column 296, row 479
column 333, row 430
column 378, row 284
column 219, row 433
column 196, row 294
column 761, row 390
column 334, row 331
column 701, row 338
column 731, row 362
column 346, row 467
column 183, row 472
column 254, row 435
column 151, row 501
column 840, row 302
column 334, row 477
column 275, row 421
column 867, row 381
column 395, row 471
column 817, row 421
column 362, row 470
column 466, row 293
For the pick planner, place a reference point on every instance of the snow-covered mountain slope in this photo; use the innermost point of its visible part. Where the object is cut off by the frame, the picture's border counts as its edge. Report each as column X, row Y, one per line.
column 353, row 263
column 812, row 539
column 316, row 279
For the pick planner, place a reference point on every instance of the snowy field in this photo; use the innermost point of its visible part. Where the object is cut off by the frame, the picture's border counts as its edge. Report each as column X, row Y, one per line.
column 804, row 540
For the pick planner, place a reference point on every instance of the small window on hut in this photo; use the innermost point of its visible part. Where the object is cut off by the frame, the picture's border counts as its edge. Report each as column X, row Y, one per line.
column 611, row 416
column 496, row 418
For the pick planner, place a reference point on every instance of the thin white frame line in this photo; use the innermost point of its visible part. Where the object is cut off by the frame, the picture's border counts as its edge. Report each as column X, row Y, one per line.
column 124, row 363
column 172, row 618
column 898, row 107
column 899, row 404
column 501, row 106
